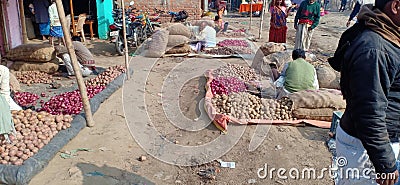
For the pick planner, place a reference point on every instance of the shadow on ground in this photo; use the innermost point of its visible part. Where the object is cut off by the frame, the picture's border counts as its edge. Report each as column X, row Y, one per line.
column 106, row 175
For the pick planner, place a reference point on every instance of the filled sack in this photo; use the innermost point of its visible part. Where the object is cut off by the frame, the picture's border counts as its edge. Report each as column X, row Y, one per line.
column 179, row 29
column 315, row 99
column 14, row 83
column 327, row 77
column 177, row 40
column 272, row 47
column 179, row 49
column 32, row 53
column 155, row 46
column 321, row 114
column 47, row 67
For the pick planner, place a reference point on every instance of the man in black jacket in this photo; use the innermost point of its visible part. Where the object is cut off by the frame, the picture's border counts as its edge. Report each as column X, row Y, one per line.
column 370, row 83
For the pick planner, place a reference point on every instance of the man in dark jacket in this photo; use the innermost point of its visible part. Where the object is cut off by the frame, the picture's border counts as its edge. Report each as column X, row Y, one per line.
column 370, row 82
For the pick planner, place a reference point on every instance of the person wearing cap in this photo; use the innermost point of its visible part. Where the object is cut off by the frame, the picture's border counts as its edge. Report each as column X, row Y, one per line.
column 297, row 75
column 306, row 20
column 368, row 134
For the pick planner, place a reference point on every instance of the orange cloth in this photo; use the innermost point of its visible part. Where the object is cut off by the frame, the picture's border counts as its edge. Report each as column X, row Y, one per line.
column 246, row 7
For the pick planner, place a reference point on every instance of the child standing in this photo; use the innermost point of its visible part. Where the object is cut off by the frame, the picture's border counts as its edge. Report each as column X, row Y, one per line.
column 55, row 24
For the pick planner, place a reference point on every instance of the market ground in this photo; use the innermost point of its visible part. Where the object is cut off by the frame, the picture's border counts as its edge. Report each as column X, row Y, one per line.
column 114, row 153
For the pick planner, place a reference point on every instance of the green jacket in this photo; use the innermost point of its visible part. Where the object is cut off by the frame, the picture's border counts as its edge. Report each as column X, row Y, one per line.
column 300, row 75
column 308, row 12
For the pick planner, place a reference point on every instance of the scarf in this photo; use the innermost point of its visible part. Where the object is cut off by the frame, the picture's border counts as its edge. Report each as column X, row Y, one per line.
column 380, row 23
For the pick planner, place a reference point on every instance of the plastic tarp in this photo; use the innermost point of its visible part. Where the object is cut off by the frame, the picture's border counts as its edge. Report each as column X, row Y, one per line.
column 221, row 121
column 21, row 175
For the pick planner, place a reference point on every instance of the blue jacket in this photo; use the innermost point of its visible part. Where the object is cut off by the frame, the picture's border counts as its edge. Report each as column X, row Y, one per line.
column 371, row 73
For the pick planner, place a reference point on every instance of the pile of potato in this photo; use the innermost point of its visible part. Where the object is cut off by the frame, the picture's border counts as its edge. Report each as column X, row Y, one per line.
column 247, row 106
column 106, row 77
column 33, row 131
column 235, row 70
column 33, row 77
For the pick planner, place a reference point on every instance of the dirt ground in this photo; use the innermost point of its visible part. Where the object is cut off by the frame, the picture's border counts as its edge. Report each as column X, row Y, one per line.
column 114, row 152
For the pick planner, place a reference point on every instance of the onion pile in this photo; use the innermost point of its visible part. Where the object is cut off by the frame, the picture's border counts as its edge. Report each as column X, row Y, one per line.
column 26, row 98
column 227, row 85
column 69, row 102
column 33, row 77
column 34, row 131
column 244, row 73
column 234, row 34
column 106, row 77
column 246, row 106
column 233, row 42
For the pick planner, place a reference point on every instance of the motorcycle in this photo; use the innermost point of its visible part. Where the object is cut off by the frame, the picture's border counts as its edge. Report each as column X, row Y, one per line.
column 180, row 16
column 132, row 32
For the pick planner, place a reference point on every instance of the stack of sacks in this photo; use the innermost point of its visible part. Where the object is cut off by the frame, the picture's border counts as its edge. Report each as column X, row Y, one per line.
column 317, row 104
column 178, row 39
column 34, row 57
column 155, row 46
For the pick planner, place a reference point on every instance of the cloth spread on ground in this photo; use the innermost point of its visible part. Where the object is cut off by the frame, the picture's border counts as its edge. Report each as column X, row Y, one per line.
column 380, row 23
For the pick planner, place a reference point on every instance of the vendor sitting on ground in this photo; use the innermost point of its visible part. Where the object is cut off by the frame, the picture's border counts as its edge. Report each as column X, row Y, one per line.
column 5, row 90
column 220, row 26
column 84, row 56
column 62, row 53
column 297, row 75
column 206, row 38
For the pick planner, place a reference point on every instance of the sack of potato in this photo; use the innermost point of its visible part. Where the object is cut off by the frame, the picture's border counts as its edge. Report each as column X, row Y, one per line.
column 47, row 67
column 327, row 77
column 179, row 49
column 32, row 53
column 317, row 104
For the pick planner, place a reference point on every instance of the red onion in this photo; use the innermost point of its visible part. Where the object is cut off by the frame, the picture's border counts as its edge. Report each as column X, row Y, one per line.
column 26, row 98
column 233, row 42
column 227, row 85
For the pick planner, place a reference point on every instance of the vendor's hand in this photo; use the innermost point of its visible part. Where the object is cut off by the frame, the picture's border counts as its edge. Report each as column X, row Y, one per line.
column 348, row 24
column 388, row 178
column 309, row 28
column 296, row 26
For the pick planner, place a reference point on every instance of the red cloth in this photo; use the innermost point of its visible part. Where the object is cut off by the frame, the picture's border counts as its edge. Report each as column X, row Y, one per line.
column 305, row 21
column 246, row 7
column 277, row 35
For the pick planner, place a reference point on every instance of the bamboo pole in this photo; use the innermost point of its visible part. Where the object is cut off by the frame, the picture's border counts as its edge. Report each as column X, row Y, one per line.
column 23, row 23
column 75, row 65
column 125, row 41
column 251, row 14
column 262, row 18
column 72, row 18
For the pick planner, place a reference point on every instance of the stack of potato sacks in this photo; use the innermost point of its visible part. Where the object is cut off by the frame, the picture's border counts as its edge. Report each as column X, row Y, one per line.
column 178, row 39
column 317, row 104
column 33, row 57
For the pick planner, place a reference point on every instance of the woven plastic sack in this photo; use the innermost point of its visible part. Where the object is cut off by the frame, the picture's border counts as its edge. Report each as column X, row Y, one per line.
column 179, row 29
column 177, row 40
column 32, row 53
column 315, row 99
column 48, row 67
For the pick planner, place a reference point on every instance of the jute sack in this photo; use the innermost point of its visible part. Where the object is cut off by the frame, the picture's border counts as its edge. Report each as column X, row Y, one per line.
column 179, row 49
column 327, row 77
column 32, row 53
column 155, row 46
column 314, row 99
column 322, row 114
column 14, row 83
column 272, row 47
column 47, row 67
column 261, row 65
column 179, row 29
column 177, row 40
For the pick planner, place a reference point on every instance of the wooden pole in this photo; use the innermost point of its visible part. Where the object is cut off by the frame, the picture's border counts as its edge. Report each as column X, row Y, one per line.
column 262, row 18
column 125, row 41
column 23, row 24
column 75, row 65
column 251, row 13
column 72, row 18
